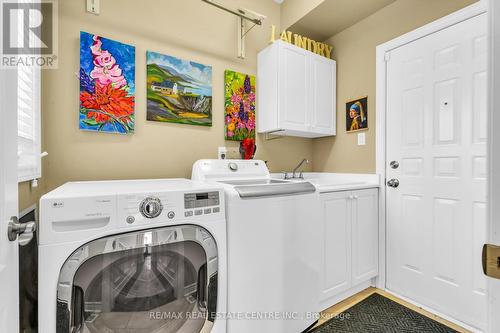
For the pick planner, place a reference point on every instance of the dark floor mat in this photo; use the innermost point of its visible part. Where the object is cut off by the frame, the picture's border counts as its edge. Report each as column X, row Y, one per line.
column 379, row 314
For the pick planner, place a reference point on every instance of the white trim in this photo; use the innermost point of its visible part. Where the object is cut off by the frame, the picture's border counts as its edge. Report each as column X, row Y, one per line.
column 328, row 303
column 494, row 160
column 382, row 50
column 434, row 312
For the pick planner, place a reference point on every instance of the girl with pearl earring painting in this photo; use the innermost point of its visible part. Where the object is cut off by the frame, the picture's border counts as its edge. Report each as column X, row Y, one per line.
column 357, row 115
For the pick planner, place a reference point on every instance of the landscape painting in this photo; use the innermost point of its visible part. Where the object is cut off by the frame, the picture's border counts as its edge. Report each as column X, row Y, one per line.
column 239, row 103
column 178, row 91
column 107, row 85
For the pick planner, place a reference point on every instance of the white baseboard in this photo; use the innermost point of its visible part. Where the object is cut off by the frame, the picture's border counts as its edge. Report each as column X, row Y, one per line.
column 437, row 313
column 325, row 304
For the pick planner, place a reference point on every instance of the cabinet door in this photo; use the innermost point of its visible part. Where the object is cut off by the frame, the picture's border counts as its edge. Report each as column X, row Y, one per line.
column 323, row 95
column 294, row 88
column 364, row 235
column 336, row 253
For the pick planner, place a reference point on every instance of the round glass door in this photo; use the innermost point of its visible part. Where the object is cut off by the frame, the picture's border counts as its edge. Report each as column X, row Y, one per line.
column 160, row 280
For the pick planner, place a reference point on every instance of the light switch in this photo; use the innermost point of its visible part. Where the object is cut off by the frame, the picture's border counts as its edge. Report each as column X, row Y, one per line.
column 93, row 6
column 361, row 139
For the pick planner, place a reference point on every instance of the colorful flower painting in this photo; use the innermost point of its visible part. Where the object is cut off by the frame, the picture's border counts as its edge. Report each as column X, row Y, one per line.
column 239, row 106
column 107, row 85
column 179, row 91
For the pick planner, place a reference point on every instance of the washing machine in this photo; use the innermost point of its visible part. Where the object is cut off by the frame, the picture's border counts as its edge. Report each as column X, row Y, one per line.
column 132, row 256
column 273, row 247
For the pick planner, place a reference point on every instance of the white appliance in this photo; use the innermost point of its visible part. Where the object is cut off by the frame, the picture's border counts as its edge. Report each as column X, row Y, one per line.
column 273, row 247
column 140, row 255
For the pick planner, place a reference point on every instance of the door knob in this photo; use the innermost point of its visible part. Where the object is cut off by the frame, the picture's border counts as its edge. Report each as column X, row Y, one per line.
column 393, row 183
column 25, row 231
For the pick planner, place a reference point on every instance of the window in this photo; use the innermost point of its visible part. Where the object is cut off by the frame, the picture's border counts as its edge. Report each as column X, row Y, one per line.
column 28, row 116
column 28, row 123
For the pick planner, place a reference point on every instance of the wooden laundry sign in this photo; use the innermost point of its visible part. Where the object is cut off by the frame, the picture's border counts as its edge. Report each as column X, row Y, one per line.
column 303, row 42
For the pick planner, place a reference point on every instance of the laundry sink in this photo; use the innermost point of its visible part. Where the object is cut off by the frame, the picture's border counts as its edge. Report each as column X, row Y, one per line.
column 329, row 182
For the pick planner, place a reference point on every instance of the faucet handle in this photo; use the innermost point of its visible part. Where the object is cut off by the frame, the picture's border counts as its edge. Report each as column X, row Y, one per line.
column 285, row 175
column 301, row 175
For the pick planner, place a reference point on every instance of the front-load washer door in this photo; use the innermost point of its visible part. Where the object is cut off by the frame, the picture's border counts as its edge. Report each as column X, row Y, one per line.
column 159, row 280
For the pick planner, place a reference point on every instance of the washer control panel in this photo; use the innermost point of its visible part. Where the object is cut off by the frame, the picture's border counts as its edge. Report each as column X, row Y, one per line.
column 201, row 203
column 169, row 207
column 198, row 200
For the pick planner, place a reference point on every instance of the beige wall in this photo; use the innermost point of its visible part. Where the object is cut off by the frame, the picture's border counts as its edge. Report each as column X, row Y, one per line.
column 193, row 30
column 294, row 10
column 354, row 50
column 189, row 29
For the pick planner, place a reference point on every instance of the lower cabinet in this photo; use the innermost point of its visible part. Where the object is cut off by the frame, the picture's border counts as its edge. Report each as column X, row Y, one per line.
column 350, row 240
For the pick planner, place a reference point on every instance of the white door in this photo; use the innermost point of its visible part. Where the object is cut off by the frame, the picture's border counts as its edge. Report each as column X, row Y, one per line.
column 324, row 93
column 336, row 245
column 9, row 260
column 364, row 235
column 294, row 86
column 437, row 132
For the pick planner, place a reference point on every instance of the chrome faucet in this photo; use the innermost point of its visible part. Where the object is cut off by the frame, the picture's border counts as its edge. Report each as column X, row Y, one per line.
column 294, row 172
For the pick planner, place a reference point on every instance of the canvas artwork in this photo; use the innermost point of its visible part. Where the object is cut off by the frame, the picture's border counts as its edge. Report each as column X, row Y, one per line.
column 239, row 105
column 357, row 115
column 178, row 91
column 107, row 85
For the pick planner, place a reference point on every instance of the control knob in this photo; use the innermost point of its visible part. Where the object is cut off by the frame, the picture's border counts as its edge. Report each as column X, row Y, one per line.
column 151, row 207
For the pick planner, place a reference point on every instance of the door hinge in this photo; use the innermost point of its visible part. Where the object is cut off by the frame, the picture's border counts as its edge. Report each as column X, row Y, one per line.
column 387, row 56
column 491, row 261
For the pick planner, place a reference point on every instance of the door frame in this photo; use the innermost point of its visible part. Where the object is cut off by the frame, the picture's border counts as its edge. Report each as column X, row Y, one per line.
column 494, row 160
column 382, row 56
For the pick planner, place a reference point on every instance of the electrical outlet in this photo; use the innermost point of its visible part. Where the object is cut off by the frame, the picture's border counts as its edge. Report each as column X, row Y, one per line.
column 93, row 6
column 222, row 153
column 361, row 139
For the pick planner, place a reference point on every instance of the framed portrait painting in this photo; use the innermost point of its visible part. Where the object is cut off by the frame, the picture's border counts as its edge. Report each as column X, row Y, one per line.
column 356, row 117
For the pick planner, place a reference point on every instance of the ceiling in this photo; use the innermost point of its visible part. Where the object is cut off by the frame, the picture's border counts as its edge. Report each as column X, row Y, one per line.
column 333, row 16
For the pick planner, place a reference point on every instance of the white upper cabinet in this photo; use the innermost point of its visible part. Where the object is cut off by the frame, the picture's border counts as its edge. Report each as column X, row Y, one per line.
column 293, row 84
column 296, row 92
column 323, row 95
